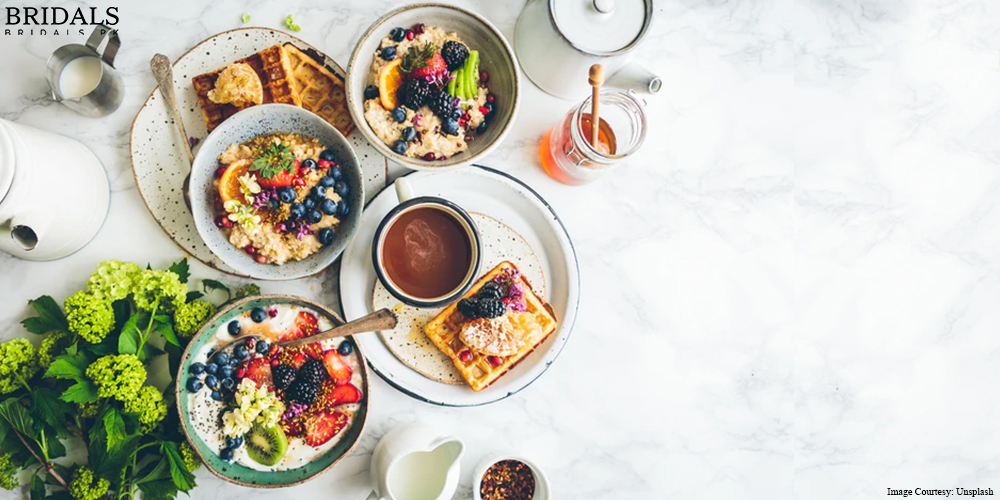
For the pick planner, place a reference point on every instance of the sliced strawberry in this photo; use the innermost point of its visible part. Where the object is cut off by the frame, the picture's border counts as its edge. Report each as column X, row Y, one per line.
column 298, row 359
column 305, row 325
column 259, row 370
column 432, row 67
column 345, row 394
column 337, row 367
column 321, row 426
column 293, row 428
column 282, row 179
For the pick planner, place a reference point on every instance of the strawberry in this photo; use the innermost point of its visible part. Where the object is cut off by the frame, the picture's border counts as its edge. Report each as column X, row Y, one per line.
column 259, row 370
column 320, row 427
column 298, row 359
column 281, row 179
column 345, row 394
column 423, row 62
column 337, row 367
column 306, row 324
column 292, row 428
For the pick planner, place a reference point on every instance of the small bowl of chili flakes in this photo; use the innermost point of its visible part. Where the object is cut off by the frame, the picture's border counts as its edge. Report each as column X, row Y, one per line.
column 507, row 477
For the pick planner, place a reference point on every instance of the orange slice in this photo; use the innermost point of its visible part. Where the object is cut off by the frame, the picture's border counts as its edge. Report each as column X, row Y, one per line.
column 229, row 183
column 390, row 78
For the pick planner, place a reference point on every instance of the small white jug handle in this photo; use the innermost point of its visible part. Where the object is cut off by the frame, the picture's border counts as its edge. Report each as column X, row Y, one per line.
column 404, row 191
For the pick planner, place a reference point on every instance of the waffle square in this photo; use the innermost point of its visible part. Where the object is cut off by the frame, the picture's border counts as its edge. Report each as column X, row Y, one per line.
column 321, row 91
column 479, row 373
column 273, row 67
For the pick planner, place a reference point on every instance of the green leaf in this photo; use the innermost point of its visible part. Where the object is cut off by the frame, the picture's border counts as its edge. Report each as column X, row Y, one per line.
column 155, row 471
column 272, row 160
column 37, row 488
column 63, row 472
column 193, row 295
column 114, row 426
column 45, row 404
column 181, row 476
column 68, row 366
column 181, row 269
column 50, row 316
column 161, row 489
column 128, row 341
column 208, row 285
column 84, row 391
column 168, row 333
column 122, row 309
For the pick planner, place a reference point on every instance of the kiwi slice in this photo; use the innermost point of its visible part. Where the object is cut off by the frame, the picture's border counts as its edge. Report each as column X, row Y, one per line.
column 266, row 445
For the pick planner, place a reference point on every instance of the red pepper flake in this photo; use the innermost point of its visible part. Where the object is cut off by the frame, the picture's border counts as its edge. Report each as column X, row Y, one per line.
column 508, row 480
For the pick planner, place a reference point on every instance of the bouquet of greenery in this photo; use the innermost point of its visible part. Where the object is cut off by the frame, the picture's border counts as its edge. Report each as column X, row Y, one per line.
column 89, row 380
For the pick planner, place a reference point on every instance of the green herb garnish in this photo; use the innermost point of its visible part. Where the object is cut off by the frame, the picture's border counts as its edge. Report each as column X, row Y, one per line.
column 246, row 17
column 290, row 23
column 417, row 58
column 273, row 160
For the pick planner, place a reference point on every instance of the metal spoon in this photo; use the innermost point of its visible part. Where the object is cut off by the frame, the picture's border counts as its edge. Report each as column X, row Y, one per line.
column 164, row 74
column 383, row 319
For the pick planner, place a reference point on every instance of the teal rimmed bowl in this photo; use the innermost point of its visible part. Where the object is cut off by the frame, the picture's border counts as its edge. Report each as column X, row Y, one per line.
column 242, row 475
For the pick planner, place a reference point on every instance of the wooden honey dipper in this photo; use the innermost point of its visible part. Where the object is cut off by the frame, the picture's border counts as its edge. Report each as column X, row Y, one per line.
column 596, row 80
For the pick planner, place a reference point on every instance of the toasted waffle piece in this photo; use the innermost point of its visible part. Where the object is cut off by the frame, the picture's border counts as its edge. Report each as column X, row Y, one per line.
column 321, row 91
column 478, row 372
column 271, row 65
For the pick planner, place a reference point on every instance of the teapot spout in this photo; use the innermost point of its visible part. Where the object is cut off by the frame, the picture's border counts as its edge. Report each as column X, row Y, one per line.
column 637, row 77
column 27, row 230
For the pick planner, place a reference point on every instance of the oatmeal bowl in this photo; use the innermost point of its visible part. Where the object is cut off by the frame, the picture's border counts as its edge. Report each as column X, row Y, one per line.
column 276, row 192
column 433, row 86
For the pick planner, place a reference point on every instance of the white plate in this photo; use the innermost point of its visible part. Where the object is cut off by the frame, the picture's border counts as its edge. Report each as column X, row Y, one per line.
column 157, row 153
column 476, row 189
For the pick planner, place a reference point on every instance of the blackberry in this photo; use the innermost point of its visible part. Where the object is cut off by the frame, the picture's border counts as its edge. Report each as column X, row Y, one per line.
column 442, row 104
column 312, row 371
column 469, row 308
column 416, row 92
column 491, row 308
column 283, row 376
column 490, row 290
column 454, row 54
column 302, row 391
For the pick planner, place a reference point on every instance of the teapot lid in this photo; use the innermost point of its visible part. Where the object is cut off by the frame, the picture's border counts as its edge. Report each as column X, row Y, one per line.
column 7, row 159
column 602, row 27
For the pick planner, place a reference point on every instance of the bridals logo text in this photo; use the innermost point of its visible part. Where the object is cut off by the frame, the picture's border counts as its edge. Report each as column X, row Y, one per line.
column 56, row 21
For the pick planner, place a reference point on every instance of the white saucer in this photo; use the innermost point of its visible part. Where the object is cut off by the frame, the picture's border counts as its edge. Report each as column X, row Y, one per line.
column 501, row 196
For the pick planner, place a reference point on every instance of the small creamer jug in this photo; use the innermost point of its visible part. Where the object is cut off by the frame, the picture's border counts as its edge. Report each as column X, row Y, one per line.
column 416, row 462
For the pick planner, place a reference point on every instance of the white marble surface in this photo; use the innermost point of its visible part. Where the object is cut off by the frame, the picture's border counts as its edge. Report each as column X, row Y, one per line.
column 789, row 293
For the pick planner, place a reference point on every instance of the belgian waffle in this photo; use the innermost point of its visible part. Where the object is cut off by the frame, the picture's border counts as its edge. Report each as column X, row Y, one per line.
column 478, row 372
column 274, row 69
column 321, row 91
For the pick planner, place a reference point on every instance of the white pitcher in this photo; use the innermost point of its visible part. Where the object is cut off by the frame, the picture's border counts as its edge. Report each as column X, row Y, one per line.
column 54, row 193
column 416, row 462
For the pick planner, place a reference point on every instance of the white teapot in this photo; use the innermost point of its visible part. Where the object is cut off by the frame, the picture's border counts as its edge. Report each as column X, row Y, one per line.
column 416, row 462
column 54, row 193
column 558, row 40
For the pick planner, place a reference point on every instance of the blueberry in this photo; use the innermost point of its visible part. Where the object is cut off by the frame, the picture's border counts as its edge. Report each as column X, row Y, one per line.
column 343, row 209
column 327, row 154
column 228, row 384
column 194, row 385
column 397, row 34
column 318, row 191
column 222, row 359
column 274, row 204
column 211, row 381
column 196, row 368
column 371, row 92
column 258, row 315
column 314, row 216
column 234, row 327
column 211, row 368
column 216, row 395
column 399, row 114
column 222, row 413
column 225, row 453
column 327, row 181
column 335, row 173
column 310, row 202
column 457, row 113
column 297, row 210
column 388, row 53
column 226, row 371
column 325, row 236
column 234, row 442
column 240, row 352
column 400, row 147
column 345, row 348
column 262, row 347
column 328, row 207
column 481, row 129
column 489, row 108
column 286, row 194
column 450, row 126
column 341, row 188
column 409, row 133
column 309, row 163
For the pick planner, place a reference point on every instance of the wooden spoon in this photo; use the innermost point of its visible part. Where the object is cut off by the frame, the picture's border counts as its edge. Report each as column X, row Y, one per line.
column 596, row 80
column 164, row 74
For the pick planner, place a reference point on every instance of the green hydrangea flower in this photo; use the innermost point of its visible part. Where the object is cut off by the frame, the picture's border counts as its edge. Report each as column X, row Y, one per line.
column 247, row 291
column 117, row 376
column 89, row 316
column 190, row 316
column 149, row 405
column 8, row 471
column 161, row 290
column 90, row 408
column 113, row 279
column 88, row 486
column 191, row 460
column 18, row 363
column 52, row 345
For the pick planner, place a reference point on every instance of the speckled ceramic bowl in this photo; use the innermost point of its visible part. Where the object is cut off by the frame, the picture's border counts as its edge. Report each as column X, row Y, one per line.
column 496, row 55
column 242, row 475
column 243, row 126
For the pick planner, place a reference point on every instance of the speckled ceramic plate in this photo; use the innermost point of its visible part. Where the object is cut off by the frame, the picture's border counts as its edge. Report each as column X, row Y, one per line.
column 253, row 122
column 157, row 153
column 509, row 201
column 242, row 475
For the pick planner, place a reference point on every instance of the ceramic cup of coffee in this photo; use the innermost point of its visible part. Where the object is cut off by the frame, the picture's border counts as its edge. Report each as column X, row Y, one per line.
column 427, row 250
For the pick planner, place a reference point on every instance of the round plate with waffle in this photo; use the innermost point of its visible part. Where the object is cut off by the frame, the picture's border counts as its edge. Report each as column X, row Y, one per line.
column 510, row 326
